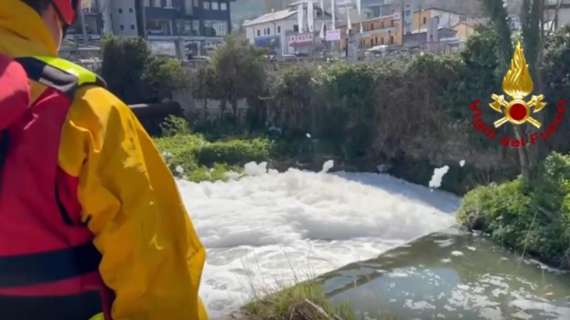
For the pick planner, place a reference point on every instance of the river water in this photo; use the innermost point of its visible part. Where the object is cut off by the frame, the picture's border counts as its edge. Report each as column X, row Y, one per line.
column 451, row 275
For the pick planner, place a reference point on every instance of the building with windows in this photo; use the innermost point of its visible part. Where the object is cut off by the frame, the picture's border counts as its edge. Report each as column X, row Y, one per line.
column 270, row 30
column 284, row 32
column 178, row 28
column 186, row 28
column 379, row 31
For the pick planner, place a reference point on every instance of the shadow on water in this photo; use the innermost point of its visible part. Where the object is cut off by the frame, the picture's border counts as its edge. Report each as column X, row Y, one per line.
column 451, row 275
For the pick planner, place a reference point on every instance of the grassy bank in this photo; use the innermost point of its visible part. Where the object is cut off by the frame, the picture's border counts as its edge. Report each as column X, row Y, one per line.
column 191, row 156
column 532, row 218
column 296, row 303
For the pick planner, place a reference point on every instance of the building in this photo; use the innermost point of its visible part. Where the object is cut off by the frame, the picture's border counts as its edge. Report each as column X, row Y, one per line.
column 446, row 19
column 379, row 31
column 177, row 28
column 89, row 26
column 271, row 31
column 379, row 8
column 284, row 32
column 186, row 28
column 557, row 14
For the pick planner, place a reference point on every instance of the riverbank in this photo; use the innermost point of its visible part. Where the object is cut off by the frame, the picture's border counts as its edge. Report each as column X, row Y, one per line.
column 530, row 217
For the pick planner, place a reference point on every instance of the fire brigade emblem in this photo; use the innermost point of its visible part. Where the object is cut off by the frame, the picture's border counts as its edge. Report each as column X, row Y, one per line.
column 518, row 85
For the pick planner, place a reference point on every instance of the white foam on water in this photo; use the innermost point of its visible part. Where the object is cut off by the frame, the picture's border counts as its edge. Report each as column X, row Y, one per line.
column 437, row 178
column 268, row 230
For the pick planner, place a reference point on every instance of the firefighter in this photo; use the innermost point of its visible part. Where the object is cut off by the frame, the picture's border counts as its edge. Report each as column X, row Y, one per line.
column 91, row 222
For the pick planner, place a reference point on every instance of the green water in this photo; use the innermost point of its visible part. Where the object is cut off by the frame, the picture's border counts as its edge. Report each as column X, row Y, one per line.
column 451, row 275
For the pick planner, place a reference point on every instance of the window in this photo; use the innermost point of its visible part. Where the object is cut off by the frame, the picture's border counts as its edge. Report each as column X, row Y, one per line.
column 382, row 25
column 186, row 28
column 391, row 23
column 120, row 10
column 131, row 10
column 425, row 20
column 391, row 39
column 158, row 27
column 215, row 5
column 259, row 33
column 206, row 5
column 279, row 29
column 382, row 41
column 295, row 28
column 215, row 28
column 122, row 27
column 223, row 6
column 132, row 27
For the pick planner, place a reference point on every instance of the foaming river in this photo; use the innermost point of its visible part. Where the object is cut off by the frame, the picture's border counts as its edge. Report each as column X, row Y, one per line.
column 268, row 230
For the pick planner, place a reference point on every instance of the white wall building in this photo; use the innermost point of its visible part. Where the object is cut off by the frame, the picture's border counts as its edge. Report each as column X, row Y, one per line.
column 284, row 32
column 270, row 30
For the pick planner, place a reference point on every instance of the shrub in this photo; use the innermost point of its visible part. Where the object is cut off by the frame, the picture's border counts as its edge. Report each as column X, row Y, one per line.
column 174, row 125
column 532, row 219
column 179, row 152
column 234, row 152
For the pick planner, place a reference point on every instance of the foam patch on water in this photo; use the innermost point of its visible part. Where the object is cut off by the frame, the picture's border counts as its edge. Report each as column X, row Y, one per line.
column 268, row 230
column 437, row 178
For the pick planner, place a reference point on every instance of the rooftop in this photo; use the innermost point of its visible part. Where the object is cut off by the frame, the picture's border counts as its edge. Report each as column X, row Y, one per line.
column 270, row 17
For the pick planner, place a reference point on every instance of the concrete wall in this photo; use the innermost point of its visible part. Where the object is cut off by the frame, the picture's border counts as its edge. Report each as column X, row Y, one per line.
column 205, row 110
column 124, row 17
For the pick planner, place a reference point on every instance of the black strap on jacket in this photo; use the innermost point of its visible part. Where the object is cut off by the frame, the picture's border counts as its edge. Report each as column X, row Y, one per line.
column 28, row 270
column 77, row 307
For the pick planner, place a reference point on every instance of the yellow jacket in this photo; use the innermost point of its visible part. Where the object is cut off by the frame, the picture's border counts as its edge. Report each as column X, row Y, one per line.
column 152, row 257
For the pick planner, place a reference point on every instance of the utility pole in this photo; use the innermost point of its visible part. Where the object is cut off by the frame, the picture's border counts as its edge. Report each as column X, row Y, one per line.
column 402, row 19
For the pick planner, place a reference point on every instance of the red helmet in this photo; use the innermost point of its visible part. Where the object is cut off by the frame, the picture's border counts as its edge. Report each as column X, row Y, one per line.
column 68, row 10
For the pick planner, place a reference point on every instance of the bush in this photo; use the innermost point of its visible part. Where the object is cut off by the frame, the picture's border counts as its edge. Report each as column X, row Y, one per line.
column 191, row 156
column 234, row 152
column 174, row 125
column 162, row 76
column 532, row 219
column 135, row 75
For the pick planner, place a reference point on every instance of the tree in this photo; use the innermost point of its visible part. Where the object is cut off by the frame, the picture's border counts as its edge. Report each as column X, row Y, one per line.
column 124, row 62
column 293, row 93
column 499, row 19
column 238, row 71
column 532, row 19
column 135, row 75
column 557, row 80
column 162, row 76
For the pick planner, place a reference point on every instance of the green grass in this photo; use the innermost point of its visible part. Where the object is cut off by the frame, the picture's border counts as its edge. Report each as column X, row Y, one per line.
column 193, row 157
